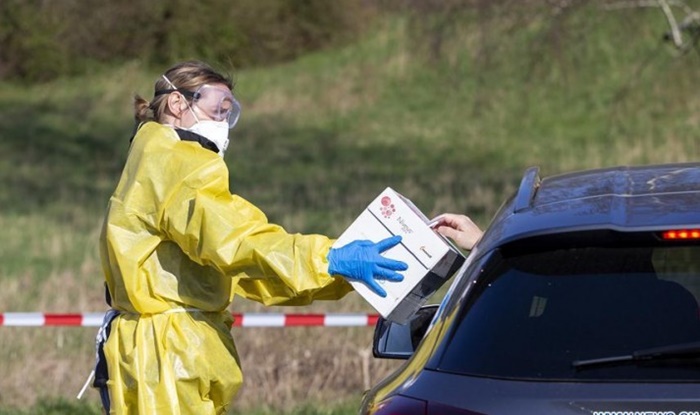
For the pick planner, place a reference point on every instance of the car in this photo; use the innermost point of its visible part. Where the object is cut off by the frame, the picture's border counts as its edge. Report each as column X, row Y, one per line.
column 580, row 298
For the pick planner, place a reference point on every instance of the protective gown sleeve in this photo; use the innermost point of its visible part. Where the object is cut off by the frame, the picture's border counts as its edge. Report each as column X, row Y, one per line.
column 218, row 229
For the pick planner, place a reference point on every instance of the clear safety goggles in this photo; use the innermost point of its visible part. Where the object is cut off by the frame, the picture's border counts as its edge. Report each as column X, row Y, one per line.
column 218, row 104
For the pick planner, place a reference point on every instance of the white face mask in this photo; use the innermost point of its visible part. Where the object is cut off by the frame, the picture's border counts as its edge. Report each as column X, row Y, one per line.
column 216, row 131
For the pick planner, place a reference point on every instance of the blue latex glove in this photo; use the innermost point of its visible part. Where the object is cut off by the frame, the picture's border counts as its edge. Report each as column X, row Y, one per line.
column 362, row 261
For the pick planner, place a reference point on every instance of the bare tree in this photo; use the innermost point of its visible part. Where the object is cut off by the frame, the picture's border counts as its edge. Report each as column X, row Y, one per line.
column 683, row 35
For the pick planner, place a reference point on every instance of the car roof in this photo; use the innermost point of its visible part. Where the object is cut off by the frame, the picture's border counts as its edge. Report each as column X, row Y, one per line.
column 625, row 198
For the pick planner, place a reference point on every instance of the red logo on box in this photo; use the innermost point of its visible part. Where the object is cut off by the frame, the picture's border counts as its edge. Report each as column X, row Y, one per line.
column 387, row 208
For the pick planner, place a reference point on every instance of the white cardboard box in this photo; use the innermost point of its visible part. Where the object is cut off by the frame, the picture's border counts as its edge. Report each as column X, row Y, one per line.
column 431, row 258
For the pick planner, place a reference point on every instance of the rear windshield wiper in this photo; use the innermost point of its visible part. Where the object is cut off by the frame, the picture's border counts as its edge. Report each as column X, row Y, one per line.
column 674, row 351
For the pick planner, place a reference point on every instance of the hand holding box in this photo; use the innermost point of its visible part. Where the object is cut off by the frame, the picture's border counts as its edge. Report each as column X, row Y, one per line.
column 430, row 257
column 361, row 260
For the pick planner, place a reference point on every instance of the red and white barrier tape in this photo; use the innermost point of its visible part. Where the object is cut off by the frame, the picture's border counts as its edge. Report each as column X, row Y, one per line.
column 240, row 320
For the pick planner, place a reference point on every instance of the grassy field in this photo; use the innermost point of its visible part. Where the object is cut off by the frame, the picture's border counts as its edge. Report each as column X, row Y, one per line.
column 59, row 406
column 451, row 126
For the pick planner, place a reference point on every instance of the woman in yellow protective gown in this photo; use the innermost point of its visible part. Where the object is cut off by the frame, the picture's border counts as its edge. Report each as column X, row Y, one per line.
column 176, row 246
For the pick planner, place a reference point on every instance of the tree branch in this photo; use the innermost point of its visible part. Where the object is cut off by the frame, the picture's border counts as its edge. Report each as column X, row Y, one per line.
column 689, row 23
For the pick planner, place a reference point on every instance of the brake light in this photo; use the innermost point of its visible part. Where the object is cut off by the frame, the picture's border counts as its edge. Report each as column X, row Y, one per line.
column 399, row 405
column 681, row 234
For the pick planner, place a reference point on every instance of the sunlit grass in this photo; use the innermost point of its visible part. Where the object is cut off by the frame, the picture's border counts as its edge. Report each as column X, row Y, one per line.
column 318, row 139
column 65, row 407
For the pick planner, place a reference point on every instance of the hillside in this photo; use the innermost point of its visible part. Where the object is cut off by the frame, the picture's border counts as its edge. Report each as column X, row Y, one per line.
column 449, row 110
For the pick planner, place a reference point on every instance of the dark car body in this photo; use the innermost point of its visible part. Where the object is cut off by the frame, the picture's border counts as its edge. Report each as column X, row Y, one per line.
column 576, row 300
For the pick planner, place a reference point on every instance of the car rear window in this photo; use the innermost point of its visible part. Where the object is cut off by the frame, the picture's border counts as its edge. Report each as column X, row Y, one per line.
column 533, row 314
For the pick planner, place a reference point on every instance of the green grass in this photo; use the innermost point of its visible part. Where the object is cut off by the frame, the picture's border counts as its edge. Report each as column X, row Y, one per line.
column 62, row 406
column 308, row 409
column 453, row 128
column 55, row 407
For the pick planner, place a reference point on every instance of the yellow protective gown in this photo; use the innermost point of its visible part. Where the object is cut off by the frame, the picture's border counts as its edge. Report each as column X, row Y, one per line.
column 176, row 246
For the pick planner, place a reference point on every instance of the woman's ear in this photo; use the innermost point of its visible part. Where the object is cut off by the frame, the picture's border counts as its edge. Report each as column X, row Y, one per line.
column 176, row 104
